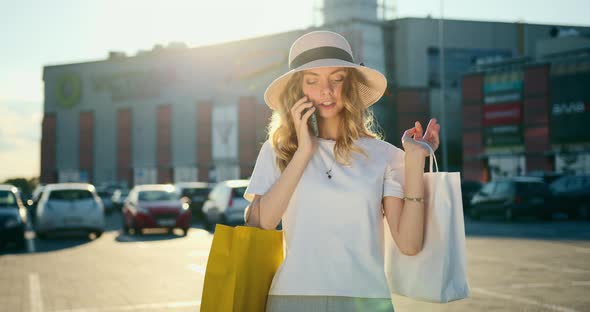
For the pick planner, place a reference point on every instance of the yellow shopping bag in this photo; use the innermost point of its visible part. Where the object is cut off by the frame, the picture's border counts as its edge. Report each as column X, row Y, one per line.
column 242, row 262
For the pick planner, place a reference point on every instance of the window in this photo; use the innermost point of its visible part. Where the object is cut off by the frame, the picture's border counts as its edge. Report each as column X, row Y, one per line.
column 70, row 195
column 157, row 196
column 239, row 191
column 7, row 199
column 488, row 188
column 503, row 187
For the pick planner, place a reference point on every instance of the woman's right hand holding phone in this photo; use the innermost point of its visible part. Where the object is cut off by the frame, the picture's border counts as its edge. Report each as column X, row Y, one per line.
column 301, row 112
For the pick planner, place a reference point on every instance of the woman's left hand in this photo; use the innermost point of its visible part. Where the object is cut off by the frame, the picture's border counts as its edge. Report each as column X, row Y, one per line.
column 415, row 134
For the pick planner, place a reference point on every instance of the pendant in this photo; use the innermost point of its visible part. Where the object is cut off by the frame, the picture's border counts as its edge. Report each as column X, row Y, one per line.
column 329, row 174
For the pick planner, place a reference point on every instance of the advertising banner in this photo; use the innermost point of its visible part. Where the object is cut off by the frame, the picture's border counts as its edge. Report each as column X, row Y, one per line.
column 502, row 114
column 570, row 108
column 503, row 135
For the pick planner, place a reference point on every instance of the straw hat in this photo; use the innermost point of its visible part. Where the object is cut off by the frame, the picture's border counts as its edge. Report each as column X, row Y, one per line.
column 325, row 49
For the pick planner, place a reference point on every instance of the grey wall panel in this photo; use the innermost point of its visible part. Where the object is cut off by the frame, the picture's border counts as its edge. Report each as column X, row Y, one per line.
column 184, row 133
column 67, row 139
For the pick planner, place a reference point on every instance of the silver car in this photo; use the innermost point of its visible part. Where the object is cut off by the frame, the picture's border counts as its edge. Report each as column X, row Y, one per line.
column 226, row 203
column 69, row 206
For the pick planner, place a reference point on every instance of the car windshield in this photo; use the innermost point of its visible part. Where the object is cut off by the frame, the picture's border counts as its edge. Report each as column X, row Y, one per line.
column 192, row 192
column 7, row 199
column 488, row 188
column 503, row 187
column 70, row 195
column 157, row 196
column 103, row 194
column 239, row 191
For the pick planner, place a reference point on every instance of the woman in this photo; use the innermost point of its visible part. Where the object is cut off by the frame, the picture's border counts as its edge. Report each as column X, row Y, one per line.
column 332, row 190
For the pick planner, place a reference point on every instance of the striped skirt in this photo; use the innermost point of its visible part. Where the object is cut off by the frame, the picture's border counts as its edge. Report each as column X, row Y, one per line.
column 327, row 304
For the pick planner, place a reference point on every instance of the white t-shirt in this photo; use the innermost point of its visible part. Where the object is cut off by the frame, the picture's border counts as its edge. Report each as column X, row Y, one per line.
column 334, row 227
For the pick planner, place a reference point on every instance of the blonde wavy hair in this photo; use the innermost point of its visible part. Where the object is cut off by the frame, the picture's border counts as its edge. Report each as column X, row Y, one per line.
column 356, row 121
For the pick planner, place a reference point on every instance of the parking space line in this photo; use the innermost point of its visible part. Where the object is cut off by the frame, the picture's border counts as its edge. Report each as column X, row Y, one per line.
column 533, row 264
column 197, row 268
column 550, row 285
column 533, row 285
column 35, row 298
column 488, row 293
column 139, row 307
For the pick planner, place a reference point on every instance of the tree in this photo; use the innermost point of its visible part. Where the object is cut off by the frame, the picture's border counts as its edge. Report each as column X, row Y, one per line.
column 25, row 185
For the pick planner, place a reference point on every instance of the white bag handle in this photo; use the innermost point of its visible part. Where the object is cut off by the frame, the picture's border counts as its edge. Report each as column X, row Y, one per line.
column 432, row 156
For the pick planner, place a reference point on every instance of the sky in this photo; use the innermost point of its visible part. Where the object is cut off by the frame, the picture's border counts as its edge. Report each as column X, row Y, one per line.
column 34, row 34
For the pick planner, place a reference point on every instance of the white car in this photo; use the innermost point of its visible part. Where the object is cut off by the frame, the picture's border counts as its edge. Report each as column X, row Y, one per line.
column 226, row 203
column 69, row 206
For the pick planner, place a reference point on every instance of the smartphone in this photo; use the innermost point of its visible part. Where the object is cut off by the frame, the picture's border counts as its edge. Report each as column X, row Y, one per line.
column 312, row 120
column 314, row 124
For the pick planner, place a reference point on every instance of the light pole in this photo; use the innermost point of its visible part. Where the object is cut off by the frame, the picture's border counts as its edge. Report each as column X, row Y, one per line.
column 443, row 123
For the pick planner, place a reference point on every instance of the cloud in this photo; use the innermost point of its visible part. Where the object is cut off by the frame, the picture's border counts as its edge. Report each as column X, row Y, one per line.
column 20, row 138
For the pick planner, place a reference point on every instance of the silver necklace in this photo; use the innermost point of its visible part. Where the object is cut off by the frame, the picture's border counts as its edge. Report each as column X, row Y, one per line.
column 329, row 172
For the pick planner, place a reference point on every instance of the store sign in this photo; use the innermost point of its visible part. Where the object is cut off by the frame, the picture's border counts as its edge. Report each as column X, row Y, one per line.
column 570, row 108
column 502, row 114
column 132, row 85
column 503, row 135
column 502, row 98
column 502, row 86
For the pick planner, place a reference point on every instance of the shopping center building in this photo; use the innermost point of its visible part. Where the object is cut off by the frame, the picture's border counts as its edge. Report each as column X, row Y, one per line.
column 178, row 113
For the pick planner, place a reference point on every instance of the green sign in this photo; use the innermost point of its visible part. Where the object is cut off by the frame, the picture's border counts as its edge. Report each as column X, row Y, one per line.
column 68, row 90
column 503, row 135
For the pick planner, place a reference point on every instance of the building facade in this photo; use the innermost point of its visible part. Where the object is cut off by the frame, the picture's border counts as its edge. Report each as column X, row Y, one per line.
column 529, row 114
column 182, row 114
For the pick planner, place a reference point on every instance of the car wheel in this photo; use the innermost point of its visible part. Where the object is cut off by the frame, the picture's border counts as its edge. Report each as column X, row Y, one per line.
column 473, row 214
column 126, row 228
column 584, row 212
column 21, row 244
column 207, row 223
column 41, row 235
column 508, row 215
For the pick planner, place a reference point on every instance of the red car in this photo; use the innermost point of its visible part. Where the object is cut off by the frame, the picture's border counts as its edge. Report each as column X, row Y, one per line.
column 155, row 206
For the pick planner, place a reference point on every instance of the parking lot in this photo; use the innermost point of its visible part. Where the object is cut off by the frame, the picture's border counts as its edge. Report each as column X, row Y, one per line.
column 525, row 265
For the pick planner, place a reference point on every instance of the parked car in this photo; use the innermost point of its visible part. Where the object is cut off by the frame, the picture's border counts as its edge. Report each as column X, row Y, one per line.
column 105, row 197
column 519, row 196
column 155, row 206
column 226, row 203
column 13, row 217
column 547, row 176
column 69, row 206
column 197, row 193
column 571, row 195
column 118, row 198
column 468, row 189
column 32, row 203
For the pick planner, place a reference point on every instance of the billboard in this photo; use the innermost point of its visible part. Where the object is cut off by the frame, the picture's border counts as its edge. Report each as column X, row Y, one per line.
column 502, row 114
column 502, row 109
column 505, row 135
column 502, row 87
column 570, row 108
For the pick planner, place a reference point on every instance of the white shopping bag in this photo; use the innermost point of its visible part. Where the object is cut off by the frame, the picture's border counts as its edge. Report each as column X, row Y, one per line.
column 439, row 272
